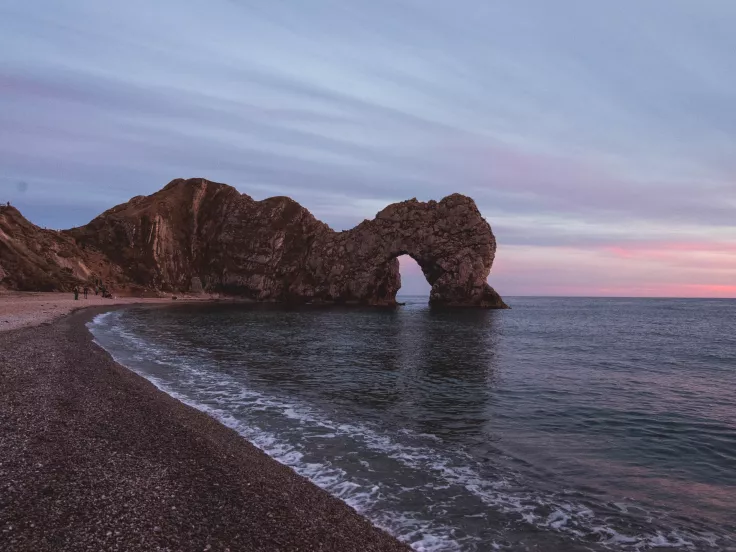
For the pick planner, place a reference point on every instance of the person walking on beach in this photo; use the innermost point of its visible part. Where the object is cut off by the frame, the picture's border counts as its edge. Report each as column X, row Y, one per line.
column 76, row 293
column 86, row 291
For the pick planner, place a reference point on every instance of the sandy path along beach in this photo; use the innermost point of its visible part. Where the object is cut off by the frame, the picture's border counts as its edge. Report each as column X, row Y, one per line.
column 24, row 309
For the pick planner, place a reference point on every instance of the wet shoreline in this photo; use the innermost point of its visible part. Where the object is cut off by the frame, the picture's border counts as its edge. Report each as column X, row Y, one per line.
column 94, row 455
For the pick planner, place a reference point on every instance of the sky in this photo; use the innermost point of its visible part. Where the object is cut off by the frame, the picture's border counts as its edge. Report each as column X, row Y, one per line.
column 597, row 138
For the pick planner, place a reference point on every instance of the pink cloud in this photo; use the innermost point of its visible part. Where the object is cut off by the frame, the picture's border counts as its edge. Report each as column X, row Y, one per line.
column 671, row 269
column 631, row 250
column 585, row 185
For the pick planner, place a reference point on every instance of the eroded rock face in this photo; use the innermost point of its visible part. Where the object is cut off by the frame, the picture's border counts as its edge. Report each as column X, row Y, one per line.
column 450, row 240
column 199, row 235
column 35, row 259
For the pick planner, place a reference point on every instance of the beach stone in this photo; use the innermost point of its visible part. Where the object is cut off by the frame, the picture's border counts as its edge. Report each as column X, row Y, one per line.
column 197, row 236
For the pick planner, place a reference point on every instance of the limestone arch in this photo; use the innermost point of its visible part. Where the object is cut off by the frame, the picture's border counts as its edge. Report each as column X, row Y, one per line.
column 450, row 241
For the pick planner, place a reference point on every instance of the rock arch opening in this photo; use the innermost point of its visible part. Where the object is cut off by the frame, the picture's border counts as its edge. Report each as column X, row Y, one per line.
column 413, row 281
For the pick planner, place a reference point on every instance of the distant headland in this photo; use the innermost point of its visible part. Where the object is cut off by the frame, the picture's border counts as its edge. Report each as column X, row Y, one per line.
column 200, row 236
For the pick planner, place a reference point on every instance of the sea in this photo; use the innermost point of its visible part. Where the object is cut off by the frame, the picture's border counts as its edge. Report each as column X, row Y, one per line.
column 562, row 424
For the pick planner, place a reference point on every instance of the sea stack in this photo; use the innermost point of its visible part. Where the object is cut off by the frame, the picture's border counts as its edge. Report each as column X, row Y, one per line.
column 200, row 236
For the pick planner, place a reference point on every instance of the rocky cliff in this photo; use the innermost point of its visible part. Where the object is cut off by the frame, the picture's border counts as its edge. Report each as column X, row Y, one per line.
column 34, row 259
column 196, row 235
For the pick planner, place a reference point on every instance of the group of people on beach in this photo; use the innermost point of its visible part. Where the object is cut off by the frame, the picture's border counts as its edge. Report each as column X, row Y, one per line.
column 99, row 288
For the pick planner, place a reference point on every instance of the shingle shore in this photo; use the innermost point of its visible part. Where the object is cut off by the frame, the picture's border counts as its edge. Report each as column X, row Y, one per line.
column 94, row 457
column 22, row 309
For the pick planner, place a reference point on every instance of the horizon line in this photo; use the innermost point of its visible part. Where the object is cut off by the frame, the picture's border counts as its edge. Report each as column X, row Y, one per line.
column 596, row 297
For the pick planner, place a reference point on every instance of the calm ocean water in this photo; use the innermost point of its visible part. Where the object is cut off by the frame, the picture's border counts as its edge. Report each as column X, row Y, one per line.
column 563, row 424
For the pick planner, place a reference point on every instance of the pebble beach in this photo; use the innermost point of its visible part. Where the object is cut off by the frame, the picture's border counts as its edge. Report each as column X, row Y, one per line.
column 94, row 457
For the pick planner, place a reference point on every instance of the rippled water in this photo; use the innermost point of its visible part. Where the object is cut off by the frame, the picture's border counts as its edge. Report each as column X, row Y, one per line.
column 562, row 424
